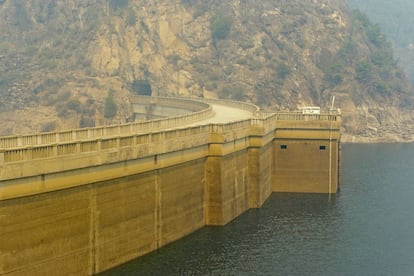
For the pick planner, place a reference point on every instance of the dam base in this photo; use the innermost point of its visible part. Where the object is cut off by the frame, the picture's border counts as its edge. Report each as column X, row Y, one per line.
column 84, row 206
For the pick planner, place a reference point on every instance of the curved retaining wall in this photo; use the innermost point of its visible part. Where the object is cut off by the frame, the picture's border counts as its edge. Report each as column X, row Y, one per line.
column 187, row 104
column 83, row 207
column 204, row 111
column 164, row 107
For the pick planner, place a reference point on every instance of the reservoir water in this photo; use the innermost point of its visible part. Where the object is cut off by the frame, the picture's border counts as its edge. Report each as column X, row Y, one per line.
column 366, row 229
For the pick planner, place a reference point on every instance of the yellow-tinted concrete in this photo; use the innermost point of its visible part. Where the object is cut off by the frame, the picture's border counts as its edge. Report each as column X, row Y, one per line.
column 125, row 219
column 227, row 180
column 181, row 200
column 306, row 166
column 83, row 207
column 260, row 175
column 46, row 234
column 91, row 228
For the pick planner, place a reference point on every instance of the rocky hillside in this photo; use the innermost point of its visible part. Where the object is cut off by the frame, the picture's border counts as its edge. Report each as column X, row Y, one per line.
column 396, row 20
column 68, row 64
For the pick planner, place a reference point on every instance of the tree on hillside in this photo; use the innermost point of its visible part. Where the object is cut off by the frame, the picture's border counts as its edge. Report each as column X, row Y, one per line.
column 110, row 106
column 220, row 27
column 118, row 4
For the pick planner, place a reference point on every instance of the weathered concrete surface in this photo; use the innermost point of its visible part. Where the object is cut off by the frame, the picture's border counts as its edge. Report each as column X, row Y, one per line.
column 91, row 228
column 111, row 200
column 306, row 158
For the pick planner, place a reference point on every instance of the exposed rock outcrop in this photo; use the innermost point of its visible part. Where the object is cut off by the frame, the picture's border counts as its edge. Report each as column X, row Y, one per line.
column 280, row 55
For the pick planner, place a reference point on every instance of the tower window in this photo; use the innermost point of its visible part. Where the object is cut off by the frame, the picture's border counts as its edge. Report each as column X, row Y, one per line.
column 283, row 146
column 322, row 147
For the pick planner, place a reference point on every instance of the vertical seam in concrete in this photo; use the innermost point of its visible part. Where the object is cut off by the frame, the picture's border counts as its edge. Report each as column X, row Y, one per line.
column 158, row 209
column 338, row 166
column 92, row 232
column 206, row 192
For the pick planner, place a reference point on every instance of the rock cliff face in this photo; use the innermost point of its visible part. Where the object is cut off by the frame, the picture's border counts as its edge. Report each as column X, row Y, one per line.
column 62, row 60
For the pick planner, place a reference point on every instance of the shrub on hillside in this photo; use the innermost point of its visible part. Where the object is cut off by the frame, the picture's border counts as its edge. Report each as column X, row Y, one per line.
column 118, row 4
column 110, row 106
column 220, row 27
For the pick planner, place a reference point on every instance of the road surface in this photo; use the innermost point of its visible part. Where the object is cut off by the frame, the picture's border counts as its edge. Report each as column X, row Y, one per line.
column 225, row 114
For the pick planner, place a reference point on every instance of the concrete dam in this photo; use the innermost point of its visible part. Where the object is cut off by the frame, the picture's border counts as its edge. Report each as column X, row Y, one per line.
column 85, row 200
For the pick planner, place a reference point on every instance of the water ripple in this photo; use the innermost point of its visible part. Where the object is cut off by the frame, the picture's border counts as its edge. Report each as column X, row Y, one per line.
column 365, row 230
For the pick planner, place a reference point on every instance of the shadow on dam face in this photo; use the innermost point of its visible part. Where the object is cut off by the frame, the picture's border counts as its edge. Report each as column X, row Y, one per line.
column 84, row 201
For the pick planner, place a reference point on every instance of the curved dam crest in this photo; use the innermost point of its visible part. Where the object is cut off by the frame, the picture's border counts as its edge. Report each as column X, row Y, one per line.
column 83, row 201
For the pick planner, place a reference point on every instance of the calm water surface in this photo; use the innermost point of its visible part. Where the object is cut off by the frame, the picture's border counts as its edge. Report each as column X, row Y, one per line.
column 367, row 229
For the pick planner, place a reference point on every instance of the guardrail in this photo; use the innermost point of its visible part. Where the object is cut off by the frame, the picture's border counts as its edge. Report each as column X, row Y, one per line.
column 29, row 160
column 261, row 119
column 190, row 104
column 299, row 116
column 108, row 144
column 75, row 135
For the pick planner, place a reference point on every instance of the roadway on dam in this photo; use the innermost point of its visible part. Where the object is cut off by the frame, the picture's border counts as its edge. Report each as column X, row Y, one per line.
column 225, row 114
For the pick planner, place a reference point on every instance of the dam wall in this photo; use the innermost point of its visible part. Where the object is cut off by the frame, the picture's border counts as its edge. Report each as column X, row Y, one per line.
column 146, row 107
column 203, row 111
column 81, row 207
column 306, row 160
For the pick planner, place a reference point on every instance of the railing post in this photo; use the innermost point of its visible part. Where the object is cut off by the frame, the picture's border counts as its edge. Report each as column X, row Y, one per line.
column 55, row 150
column 28, row 155
column 1, row 158
column 19, row 141
column 78, row 147
column 99, row 145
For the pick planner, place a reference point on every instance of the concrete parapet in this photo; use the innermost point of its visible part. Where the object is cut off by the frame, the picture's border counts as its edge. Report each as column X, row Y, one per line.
column 146, row 107
column 88, row 200
column 221, row 139
column 187, row 104
column 202, row 111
